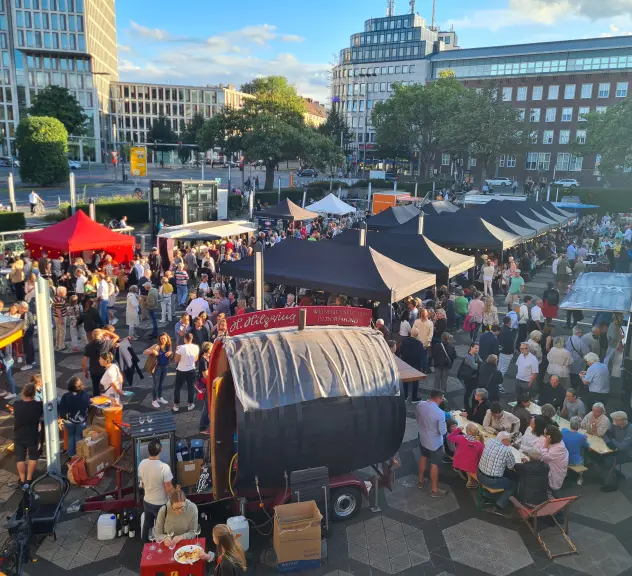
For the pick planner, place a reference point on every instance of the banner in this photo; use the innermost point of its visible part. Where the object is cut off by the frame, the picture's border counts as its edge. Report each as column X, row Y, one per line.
column 285, row 317
column 138, row 160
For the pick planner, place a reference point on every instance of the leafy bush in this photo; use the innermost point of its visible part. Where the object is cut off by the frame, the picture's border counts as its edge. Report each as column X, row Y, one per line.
column 293, row 194
column 106, row 210
column 608, row 199
column 42, row 144
column 324, row 184
column 12, row 221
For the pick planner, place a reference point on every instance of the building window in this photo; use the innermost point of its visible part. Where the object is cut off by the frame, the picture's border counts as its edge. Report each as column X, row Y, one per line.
column 534, row 116
column 564, row 136
column 445, row 159
column 521, row 94
column 586, row 91
column 604, row 90
column 472, row 162
column 521, row 113
column 550, row 114
column 569, row 91
column 622, row 89
column 562, row 162
column 511, row 161
column 533, row 137
column 583, row 110
column 554, row 92
column 501, row 161
column 567, row 114
column 507, row 91
column 601, row 109
column 581, row 136
column 538, row 161
column 547, row 137
column 575, row 163
column 567, row 162
column 537, row 93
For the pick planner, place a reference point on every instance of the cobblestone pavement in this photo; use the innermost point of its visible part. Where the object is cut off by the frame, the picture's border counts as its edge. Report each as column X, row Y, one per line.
column 412, row 535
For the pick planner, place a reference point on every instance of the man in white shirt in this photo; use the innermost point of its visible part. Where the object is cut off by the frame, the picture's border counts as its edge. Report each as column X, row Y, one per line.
column 103, row 294
column 523, row 319
column 155, row 478
column 536, row 316
column 123, row 222
column 33, row 200
column 186, row 357
column 140, row 269
column 527, row 365
column 198, row 305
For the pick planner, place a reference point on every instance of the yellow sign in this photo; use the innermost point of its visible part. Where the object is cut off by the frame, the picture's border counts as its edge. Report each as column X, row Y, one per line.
column 138, row 160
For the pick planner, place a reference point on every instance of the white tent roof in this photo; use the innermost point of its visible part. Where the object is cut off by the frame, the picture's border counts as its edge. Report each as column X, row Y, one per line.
column 331, row 204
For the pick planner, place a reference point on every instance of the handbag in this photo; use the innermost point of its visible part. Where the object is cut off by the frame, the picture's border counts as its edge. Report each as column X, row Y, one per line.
column 467, row 325
column 450, row 360
column 150, row 364
column 465, row 371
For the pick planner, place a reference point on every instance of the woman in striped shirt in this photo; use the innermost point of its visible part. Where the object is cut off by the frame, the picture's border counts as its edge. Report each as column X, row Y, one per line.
column 182, row 281
column 59, row 315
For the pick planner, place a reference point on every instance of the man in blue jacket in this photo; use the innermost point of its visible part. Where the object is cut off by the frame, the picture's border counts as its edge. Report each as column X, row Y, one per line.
column 488, row 343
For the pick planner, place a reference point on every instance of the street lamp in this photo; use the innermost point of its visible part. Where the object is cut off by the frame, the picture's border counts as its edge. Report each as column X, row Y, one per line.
column 366, row 117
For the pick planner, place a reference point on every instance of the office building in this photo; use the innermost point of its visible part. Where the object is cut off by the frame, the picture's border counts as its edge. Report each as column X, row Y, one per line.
column 553, row 84
column 69, row 43
column 135, row 106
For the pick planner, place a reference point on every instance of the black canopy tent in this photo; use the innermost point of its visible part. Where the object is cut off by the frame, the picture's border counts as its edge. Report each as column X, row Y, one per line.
column 549, row 209
column 519, row 213
column 457, row 230
column 333, row 267
column 509, row 225
column 439, row 207
column 390, row 217
column 286, row 210
column 415, row 251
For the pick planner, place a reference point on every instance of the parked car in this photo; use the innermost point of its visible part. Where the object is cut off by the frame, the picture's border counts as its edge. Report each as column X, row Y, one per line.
column 74, row 165
column 308, row 173
column 500, row 181
column 390, row 177
column 231, row 164
column 6, row 161
column 566, row 183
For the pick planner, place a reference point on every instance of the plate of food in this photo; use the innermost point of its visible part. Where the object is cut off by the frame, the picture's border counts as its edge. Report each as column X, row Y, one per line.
column 189, row 554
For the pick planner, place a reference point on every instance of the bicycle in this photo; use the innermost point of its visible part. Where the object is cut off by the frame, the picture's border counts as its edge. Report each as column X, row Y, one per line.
column 40, row 208
column 16, row 548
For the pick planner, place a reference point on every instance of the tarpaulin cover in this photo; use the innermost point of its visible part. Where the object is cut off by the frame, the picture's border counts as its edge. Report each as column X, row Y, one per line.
column 286, row 366
column 390, row 217
column 10, row 329
column 287, row 210
column 79, row 233
column 600, row 291
column 331, row 204
column 414, row 250
column 331, row 267
column 451, row 230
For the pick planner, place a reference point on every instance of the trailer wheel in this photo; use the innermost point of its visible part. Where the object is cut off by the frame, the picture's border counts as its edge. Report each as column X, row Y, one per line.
column 346, row 503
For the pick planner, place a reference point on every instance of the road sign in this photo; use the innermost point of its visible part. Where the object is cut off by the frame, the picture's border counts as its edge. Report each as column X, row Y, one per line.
column 138, row 160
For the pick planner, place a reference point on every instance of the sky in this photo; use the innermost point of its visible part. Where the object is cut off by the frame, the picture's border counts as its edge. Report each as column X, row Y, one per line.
column 203, row 42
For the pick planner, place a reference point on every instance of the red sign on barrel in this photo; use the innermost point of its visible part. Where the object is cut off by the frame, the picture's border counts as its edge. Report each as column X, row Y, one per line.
column 338, row 316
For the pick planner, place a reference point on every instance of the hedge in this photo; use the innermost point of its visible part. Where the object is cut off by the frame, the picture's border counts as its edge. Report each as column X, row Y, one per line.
column 10, row 221
column 608, row 199
column 136, row 211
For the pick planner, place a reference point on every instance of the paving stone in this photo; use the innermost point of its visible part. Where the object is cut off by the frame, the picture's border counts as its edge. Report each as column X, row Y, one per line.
column 63, row 563
column 410, row 499
column 612, row 507
column 485, row 552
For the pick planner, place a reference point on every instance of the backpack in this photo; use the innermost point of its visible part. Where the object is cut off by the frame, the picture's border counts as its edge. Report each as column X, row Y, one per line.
column 553, row 297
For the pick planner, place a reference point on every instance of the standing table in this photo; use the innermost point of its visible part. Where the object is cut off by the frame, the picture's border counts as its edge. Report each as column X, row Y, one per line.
column 165, row 564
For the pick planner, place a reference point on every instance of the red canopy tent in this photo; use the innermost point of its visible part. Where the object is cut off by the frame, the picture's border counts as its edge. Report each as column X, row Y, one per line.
column 78, row 234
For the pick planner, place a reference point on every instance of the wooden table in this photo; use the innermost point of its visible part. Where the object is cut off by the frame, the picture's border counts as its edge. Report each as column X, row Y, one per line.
column 463, row 422
column 152, row 562
column 407, row 372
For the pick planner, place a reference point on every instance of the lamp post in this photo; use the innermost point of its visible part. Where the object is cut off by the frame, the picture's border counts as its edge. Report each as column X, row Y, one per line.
column 366, row 119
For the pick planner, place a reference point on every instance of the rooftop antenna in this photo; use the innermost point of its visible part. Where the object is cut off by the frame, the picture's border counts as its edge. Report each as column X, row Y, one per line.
column 390, row 8
column 434, row 8
column 412, row 6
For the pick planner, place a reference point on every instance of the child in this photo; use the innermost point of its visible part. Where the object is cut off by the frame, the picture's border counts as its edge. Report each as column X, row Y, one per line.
column 112, row 291
column 166, row 292
column 74, row 312
column 59, row 315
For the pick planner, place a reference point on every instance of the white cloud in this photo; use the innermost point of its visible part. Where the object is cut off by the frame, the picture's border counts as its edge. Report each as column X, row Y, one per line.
column 614, row 31
column 597, row 9
column 260, row 34
column 153, row 33
column 292, row 38
column 124, row 48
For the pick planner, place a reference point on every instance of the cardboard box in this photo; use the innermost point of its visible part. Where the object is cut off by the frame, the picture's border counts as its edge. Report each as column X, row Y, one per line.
column 92, row 445
column 93, row 431
column 98, row 421
column 189, row 472
column 100, row 461
column 297, row 538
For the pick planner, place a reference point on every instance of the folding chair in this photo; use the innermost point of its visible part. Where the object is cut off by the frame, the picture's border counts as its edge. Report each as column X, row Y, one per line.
column 550, row 508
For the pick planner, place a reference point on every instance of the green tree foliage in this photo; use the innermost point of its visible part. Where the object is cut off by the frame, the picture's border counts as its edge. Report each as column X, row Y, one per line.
column 484, row 127
column 608, row 134
column 42, row 144
column 274, row 95
column 161, row 133
column 334, row 126
column 192, row 132
column 413, row 118
column 184, row 154
column 57, row 102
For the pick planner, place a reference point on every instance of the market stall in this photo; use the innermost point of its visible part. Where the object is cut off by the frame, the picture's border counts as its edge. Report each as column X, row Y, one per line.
column 331, row 204
column 439, row 207
column 79, row 236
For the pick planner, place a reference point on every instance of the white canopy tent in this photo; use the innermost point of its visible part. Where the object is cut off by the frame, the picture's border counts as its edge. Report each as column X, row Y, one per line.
column 331, row 204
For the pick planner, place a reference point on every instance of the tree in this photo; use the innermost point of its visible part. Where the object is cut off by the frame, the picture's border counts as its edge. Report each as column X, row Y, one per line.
column 484, row 127
column 413, row 119
column 161, row 134
column 42, row 144
column 608, row 134
column 57, row 102
column 275, row 96
column 320, row 151
column 334, row 126
column 447, row 73
column 184, row 154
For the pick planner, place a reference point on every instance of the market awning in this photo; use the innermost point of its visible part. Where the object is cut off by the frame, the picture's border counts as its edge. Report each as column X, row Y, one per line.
column 393, row 216
column 600, row 292
column 332, row 267
column 331, row 204
column 202, row 231
column 439, row 207
column 286, row 210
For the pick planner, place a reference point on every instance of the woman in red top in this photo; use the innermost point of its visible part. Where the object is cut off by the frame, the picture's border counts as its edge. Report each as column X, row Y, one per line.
column 469, row 449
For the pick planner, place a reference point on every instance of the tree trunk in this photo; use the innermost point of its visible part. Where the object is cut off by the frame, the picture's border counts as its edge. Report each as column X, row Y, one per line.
column 269, row 185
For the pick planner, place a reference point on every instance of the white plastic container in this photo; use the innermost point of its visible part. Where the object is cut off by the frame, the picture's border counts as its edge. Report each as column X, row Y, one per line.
column 239, row 525
column 106, row 527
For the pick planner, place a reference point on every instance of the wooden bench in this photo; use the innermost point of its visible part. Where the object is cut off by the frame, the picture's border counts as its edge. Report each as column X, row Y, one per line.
column 481, row 489
column 579, row 469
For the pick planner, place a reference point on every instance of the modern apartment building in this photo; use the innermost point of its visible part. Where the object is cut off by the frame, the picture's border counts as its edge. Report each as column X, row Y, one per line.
column 69, row 43
column 389, row 50
column 135, row 106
